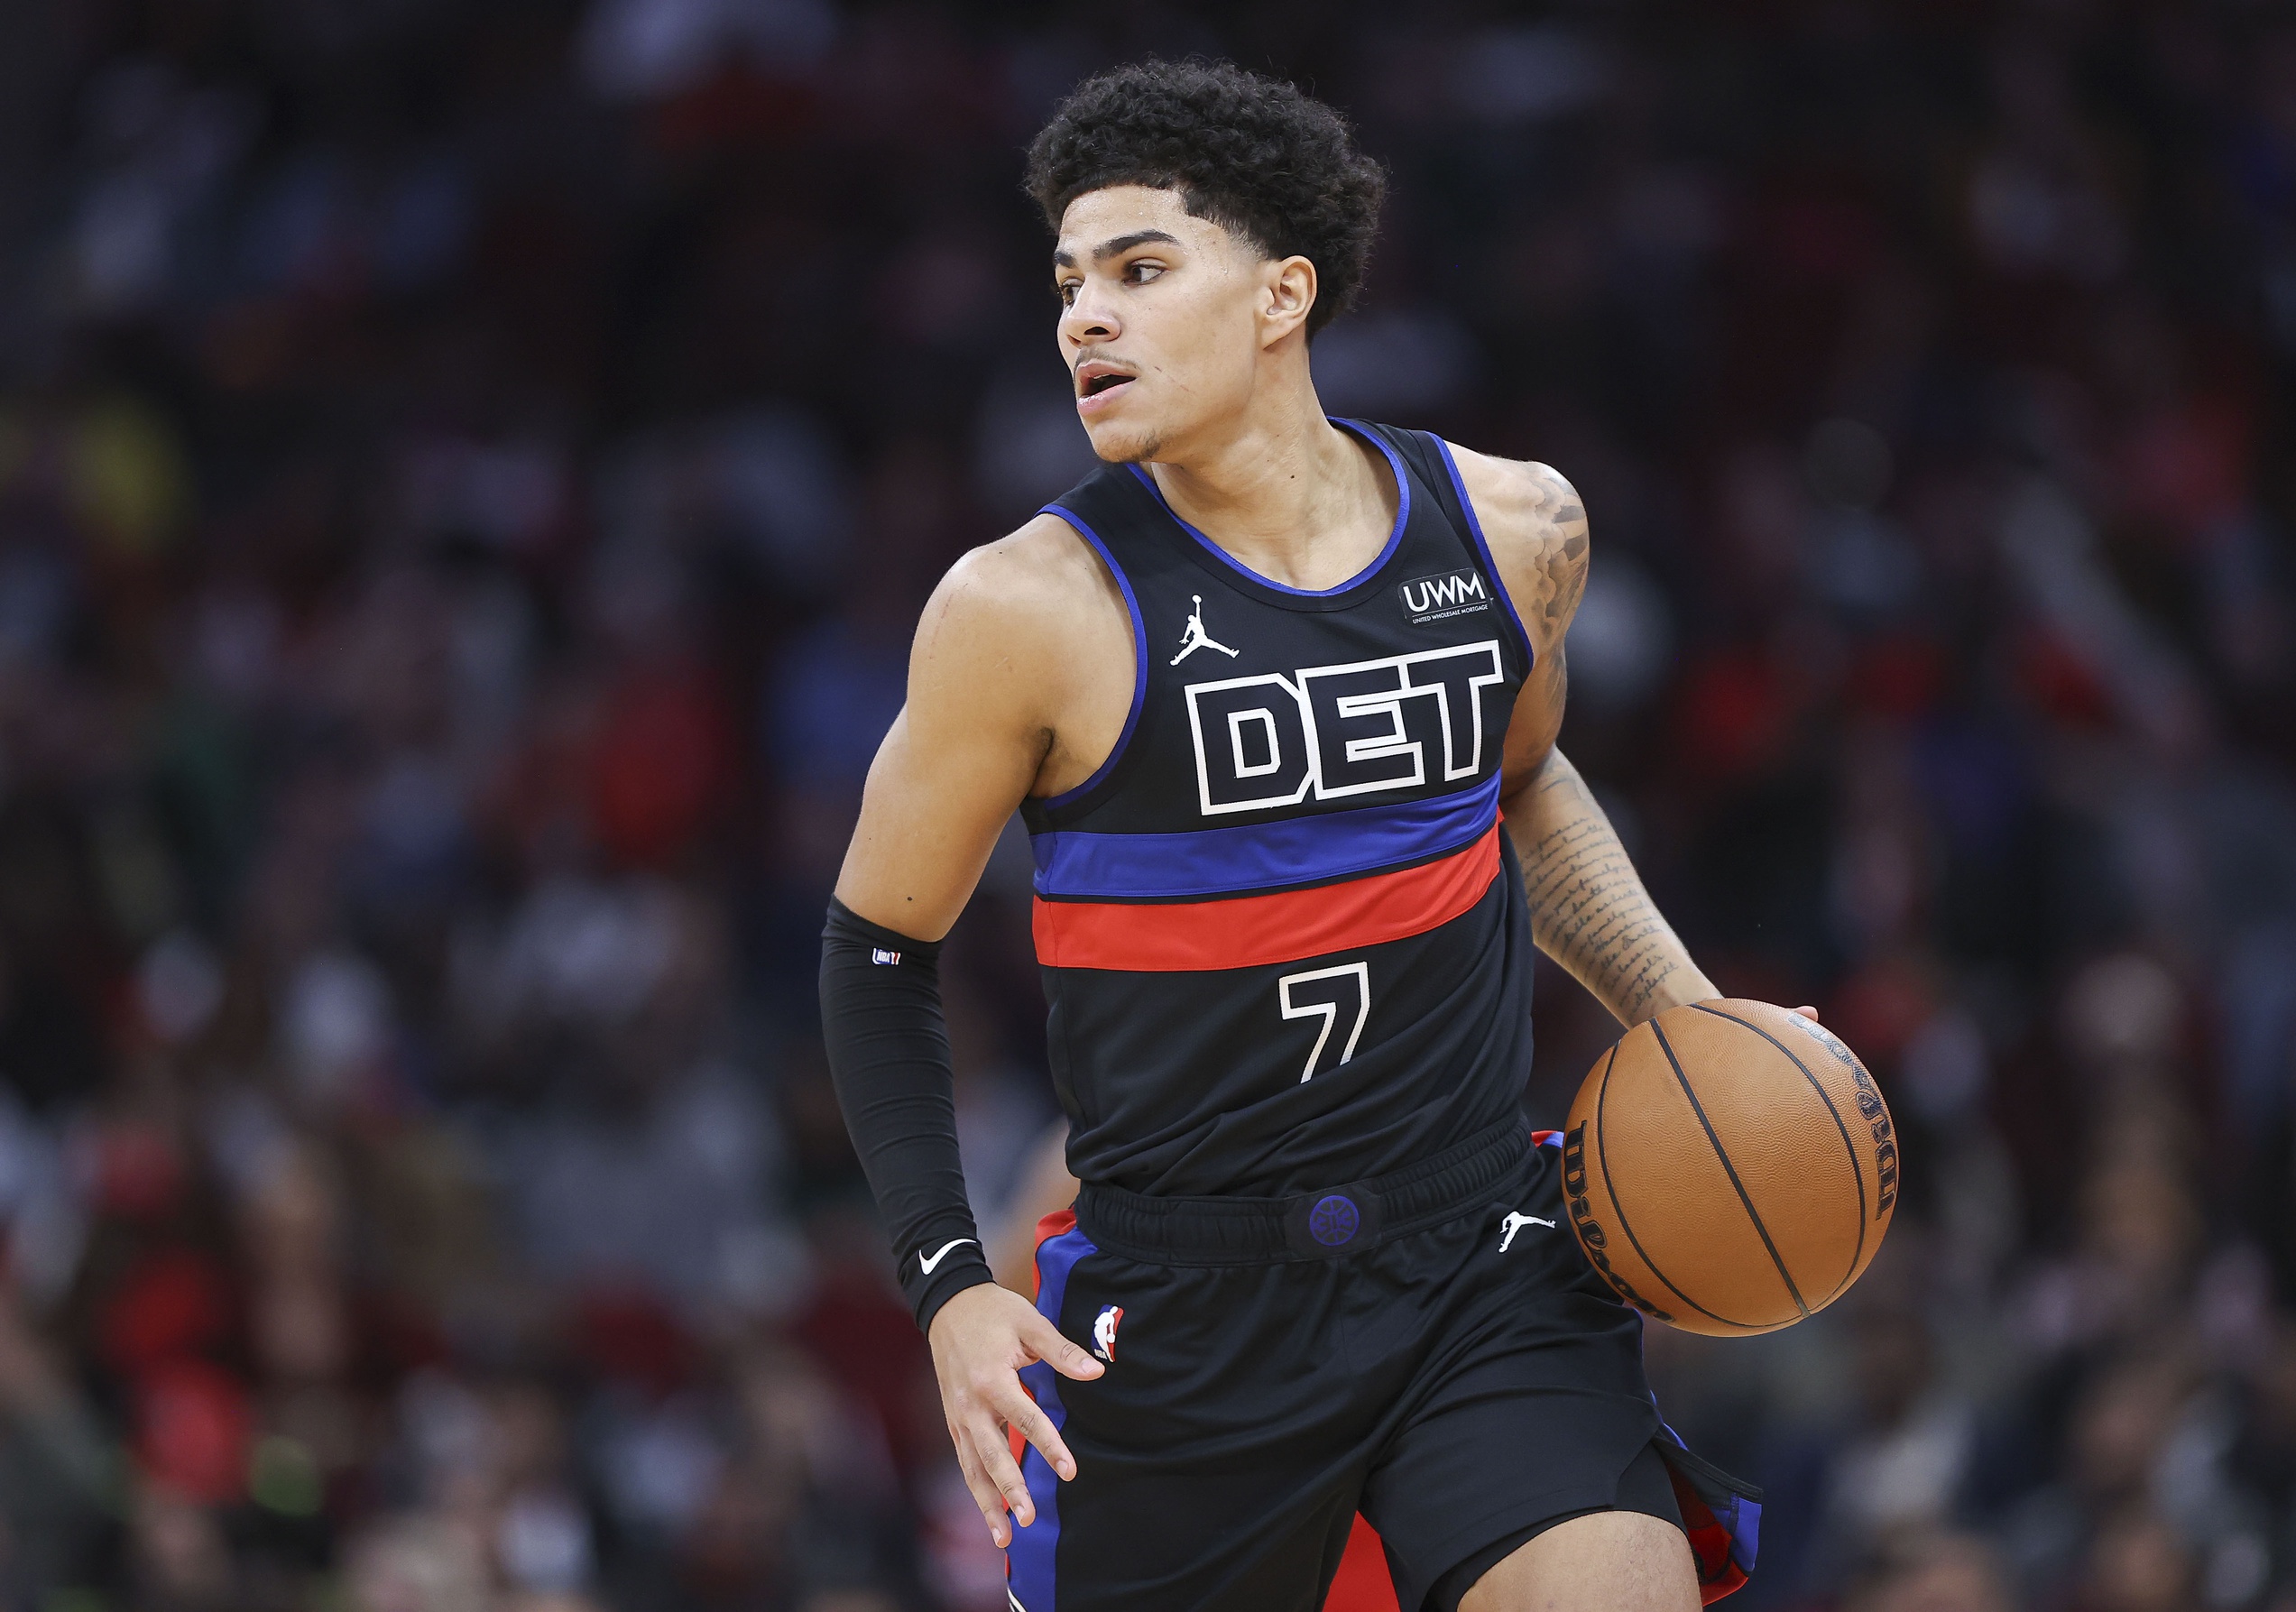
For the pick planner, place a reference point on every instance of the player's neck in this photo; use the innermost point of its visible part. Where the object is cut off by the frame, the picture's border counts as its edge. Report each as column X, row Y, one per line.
column 1288, row 494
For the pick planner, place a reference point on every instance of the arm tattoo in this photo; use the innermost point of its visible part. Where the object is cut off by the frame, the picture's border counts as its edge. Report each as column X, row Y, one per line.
column 1561, row 520
column 1589, row 909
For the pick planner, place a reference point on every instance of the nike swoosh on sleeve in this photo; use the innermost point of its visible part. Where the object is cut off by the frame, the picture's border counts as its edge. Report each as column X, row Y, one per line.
column 926, row 1265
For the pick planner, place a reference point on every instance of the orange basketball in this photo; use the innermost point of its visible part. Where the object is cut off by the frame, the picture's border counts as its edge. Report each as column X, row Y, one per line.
column 1730, row 1167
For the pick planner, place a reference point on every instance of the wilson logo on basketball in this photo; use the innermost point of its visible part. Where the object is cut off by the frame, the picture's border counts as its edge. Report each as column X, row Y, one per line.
column 1591, row 1237
column 1439, row 598
column 1871, row 1110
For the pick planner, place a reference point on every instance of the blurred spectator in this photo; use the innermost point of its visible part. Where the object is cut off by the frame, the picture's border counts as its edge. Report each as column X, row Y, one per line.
column 1936, row 1572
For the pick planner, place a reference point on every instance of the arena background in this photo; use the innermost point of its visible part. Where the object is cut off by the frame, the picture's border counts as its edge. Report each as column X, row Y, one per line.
column 468, row 469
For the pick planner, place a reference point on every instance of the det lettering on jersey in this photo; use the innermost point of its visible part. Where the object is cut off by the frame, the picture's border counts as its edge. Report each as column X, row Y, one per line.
column 1325, row 732
column 1427, row 599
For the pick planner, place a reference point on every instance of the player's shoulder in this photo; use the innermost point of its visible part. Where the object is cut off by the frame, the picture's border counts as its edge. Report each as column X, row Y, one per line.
column 1536, row 526
column 1521, row 501
column 1024, row 595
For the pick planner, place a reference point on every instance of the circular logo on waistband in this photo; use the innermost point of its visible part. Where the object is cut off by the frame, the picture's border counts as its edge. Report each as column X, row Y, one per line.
column 1333, row 1221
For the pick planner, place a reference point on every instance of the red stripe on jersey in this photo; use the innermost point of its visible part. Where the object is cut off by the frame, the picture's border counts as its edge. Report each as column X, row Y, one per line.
column 1246, row 931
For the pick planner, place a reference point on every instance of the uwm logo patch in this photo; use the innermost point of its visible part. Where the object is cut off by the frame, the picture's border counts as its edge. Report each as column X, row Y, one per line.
column 1439, row 598
column 1330, row 731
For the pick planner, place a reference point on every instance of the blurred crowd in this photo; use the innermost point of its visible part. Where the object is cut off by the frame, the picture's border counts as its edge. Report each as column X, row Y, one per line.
column 468, row 470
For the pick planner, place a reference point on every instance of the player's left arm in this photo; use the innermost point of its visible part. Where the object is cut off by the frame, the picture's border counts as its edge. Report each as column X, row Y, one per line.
column 1589, row 909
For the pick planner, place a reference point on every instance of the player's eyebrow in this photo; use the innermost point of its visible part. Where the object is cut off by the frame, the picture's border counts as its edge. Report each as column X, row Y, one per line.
column 1117, row 247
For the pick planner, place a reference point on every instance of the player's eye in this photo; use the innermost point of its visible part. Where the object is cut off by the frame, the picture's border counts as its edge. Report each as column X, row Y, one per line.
column 1141, row 274
column 1067, row 290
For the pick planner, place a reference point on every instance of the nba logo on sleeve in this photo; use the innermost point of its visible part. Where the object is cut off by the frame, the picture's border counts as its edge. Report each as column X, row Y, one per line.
column 1104, row 1331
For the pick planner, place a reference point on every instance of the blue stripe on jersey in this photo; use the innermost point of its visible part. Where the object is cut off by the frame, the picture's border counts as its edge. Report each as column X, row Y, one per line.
column 1257, row 856
column 1030, row 1560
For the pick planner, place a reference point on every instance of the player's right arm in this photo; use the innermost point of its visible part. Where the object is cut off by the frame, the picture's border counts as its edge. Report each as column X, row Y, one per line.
column 1010, row 660
column 1010, row 678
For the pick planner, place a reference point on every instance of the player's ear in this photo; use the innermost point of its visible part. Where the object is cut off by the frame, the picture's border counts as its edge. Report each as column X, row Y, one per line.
column 1290, row 293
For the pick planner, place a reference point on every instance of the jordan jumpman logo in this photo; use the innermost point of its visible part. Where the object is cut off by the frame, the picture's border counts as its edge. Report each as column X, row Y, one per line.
column 1515, row 1223
column 1195, row 638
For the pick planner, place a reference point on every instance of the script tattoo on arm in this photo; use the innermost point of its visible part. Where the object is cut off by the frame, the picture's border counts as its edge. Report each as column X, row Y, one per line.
column 1589, row 909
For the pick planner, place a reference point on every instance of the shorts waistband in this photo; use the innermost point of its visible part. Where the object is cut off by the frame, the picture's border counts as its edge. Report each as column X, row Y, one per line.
column 1327, row 1224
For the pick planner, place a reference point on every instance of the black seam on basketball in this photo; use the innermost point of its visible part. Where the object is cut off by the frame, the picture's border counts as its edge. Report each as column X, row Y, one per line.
column 1857, row 1170
column 1602, row 1152
column 1730, row 1169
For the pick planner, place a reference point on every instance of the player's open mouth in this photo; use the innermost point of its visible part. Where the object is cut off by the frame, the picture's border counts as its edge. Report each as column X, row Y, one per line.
column 1098, row 381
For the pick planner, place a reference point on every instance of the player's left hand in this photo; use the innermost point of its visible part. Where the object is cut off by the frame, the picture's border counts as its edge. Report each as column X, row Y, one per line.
column 981, row 1339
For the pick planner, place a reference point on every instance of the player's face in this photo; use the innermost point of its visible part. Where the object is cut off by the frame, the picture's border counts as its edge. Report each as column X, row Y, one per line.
column 1164, row 319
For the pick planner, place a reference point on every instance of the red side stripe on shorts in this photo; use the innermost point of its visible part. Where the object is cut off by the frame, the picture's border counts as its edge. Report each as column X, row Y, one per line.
column 1718, row 1572
column 1058, row 1223
column 1363, row 1584
column 1246, row 931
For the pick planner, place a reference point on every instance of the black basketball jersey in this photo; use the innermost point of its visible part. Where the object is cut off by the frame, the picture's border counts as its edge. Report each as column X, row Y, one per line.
column 1284, row 939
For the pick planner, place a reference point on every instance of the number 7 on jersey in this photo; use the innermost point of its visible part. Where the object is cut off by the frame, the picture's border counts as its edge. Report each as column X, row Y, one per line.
column 1324, row 993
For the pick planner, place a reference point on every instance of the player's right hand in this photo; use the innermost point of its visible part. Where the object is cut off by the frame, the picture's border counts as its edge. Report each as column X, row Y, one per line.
column 981, row 1339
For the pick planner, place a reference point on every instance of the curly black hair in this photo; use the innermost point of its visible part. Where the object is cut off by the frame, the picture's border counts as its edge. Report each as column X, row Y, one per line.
column 1251, row 153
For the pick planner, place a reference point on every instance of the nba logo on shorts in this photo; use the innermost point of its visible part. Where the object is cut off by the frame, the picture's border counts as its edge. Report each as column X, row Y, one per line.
column 1104, row 1331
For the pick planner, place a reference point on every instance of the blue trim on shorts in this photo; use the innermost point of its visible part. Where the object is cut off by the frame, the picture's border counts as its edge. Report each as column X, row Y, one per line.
column 1736, row 1510
column 1030, row 1558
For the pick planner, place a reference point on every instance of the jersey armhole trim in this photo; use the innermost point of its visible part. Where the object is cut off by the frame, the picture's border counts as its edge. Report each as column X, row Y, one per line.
column 1140, row 660
column 1482, row 548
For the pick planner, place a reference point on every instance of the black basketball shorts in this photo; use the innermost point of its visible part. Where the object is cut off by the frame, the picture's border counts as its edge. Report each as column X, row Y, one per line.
column 1431, row 1349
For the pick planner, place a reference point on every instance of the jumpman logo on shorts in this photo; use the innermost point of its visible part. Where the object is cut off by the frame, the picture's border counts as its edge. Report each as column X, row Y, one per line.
column 1195, row 638
column 1514, row 1222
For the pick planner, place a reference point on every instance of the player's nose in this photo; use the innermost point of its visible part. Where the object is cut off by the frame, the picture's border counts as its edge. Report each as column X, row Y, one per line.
column 1089, row 319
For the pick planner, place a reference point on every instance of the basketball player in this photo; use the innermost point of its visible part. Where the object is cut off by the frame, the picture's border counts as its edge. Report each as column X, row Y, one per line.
column 1276, row 696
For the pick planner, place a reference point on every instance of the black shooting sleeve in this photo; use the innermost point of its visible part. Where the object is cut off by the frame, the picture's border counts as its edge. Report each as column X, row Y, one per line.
column 888, row 1055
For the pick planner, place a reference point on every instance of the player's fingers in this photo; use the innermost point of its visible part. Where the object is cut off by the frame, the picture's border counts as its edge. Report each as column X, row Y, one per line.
column 1046, row 1342
column 1809, row 1013
column 995, row 1455
column 1024, row 1415
column 985, row 1494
